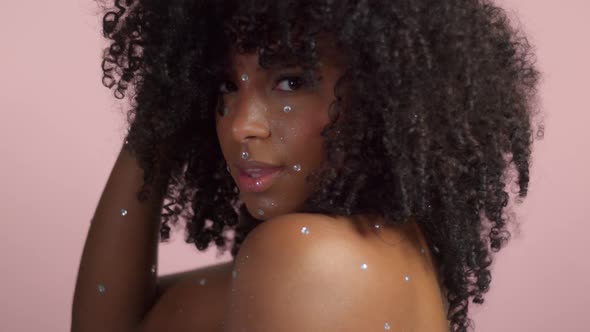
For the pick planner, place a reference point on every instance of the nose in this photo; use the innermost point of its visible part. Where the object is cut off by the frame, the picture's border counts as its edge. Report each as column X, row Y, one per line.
column 249, row 118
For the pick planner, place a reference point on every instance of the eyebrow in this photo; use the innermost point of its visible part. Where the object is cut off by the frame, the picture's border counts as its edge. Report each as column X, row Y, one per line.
column 231, row 70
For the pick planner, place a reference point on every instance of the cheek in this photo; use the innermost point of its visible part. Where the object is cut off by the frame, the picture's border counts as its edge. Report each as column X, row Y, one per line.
column 302, row 138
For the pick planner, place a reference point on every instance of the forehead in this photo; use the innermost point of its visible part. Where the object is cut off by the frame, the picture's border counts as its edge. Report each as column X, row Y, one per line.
column 328, row 54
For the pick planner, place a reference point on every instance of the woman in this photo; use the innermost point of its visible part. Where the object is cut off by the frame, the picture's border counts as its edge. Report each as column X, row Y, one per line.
column 357, row 149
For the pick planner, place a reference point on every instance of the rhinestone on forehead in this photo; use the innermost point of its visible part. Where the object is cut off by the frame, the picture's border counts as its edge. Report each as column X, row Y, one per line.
column 297, row 168
column 387, row 326
column 245, row 155
column 123, row 212
column 304, row 230
column 287, row 109
column 364, row 266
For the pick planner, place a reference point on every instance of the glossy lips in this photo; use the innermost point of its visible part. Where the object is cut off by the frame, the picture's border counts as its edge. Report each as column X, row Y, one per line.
column 257, row 179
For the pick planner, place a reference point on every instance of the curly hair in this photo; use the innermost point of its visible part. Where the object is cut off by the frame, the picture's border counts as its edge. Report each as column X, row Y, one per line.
column 438, row 108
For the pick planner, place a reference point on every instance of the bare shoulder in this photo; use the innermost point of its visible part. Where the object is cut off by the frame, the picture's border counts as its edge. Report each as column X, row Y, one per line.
column 312, row 272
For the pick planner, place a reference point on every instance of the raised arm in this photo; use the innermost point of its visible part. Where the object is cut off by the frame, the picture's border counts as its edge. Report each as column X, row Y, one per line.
column 116, row 283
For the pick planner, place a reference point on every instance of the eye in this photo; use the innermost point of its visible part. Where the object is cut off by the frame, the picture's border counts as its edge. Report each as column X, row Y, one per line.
column 289, row 82
column 227, row 87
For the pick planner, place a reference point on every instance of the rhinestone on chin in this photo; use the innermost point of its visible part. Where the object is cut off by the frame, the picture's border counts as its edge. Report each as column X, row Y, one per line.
column 364, row 266
column 245, row 155
column 287, row 109
column 123, row 212
column 304, row 230
column 297, row 168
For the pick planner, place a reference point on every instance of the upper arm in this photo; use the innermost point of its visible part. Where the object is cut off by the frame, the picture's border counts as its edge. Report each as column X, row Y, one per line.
column 290, row 281
column 194, row 300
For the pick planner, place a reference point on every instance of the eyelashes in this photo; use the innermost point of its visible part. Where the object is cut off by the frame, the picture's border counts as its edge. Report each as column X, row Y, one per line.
column 293, row 82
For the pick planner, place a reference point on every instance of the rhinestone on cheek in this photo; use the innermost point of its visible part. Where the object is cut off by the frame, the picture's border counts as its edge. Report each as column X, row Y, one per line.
column 101, row 288
column 364, row 266
column 234, row 274
column 287, row 109
column 225, row 111
column 407, row 278
column 422, row 250
column 297, row 168
column 387, row 326
column 203, row 281
column 123, row 212
column 304, row 230
column 244, row 77
column 245, row 155
column 377, row 226
column 260, row 212
column 154, row 268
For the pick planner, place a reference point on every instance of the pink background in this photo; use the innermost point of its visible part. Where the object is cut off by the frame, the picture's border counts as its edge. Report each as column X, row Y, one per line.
column 61, row 131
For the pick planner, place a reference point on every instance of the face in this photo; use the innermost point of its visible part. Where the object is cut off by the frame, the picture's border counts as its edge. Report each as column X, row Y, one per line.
column 269, row 130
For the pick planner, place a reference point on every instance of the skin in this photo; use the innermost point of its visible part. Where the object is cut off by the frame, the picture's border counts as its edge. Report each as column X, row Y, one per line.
column 256, row 123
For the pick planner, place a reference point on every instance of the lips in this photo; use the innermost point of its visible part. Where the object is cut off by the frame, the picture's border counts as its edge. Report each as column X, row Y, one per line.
column 258, row 172
column 258, row 179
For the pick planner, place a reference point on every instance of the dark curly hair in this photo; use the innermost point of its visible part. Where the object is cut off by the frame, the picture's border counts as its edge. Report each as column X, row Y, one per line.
column 439, row 104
